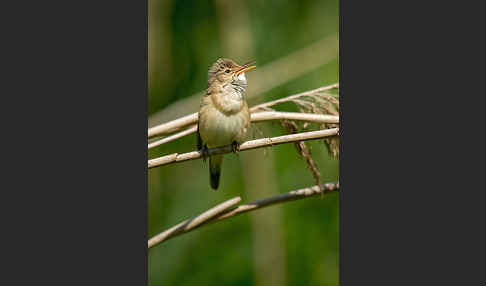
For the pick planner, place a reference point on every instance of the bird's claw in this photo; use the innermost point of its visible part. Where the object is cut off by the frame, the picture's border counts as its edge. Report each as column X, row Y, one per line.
column 235, row 147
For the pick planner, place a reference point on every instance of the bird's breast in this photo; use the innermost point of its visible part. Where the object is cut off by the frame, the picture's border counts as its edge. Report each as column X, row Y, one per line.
column 228, row 102
column 217, row 128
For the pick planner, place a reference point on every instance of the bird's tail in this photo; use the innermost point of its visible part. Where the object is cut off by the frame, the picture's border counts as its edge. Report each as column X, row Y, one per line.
column 215, row 170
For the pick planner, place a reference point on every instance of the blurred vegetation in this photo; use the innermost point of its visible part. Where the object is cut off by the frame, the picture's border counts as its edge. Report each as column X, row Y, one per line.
column 295, row 243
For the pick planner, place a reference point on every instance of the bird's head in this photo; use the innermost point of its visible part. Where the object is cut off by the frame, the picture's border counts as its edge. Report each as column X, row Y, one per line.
column 226, row 71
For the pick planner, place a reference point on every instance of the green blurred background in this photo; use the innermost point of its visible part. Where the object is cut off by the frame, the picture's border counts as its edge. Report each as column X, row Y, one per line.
column 295, row 44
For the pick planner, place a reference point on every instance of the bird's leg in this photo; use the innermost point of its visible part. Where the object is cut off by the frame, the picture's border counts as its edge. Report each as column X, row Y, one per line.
column 204, row 152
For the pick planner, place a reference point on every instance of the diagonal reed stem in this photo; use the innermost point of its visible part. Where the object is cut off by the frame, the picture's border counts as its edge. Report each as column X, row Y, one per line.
column 222, row 211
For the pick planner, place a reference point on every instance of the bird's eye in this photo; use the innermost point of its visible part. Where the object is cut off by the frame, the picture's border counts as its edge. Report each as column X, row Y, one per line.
column 227, row 71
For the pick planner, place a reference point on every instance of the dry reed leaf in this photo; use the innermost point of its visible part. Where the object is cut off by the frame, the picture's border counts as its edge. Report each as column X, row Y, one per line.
column 322, row 103
column 303, row 150
column 317, row 103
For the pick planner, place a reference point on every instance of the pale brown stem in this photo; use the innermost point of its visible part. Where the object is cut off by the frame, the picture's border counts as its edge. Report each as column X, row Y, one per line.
column 178, row 135
column 172, row 126
column 189, row 224
column 278, row 115
column 258, row 117
column 222, row 211
column 254, row 144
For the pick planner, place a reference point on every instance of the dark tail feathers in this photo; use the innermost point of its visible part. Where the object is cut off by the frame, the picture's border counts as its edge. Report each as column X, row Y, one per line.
column 215, row 170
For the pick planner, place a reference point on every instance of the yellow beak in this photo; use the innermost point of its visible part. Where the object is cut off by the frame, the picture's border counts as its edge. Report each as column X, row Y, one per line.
column 245, row 68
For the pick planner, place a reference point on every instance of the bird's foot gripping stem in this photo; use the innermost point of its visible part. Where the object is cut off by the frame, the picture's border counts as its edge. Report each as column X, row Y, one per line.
column 235, row 147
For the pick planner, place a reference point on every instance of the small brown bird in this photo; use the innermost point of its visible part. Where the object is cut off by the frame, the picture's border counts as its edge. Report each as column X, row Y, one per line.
column 224, row 117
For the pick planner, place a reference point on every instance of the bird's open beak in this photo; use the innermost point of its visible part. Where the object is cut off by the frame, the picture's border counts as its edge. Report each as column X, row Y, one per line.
column 246, row 67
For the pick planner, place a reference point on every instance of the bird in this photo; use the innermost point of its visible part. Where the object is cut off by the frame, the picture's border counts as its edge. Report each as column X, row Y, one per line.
column 224, row 117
